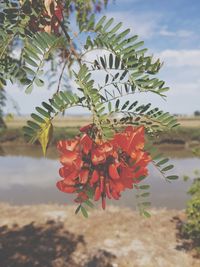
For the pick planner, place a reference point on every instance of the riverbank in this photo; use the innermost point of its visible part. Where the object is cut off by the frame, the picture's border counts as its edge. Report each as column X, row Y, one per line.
column 112, row 238
column 187, row 134
column 179, row 135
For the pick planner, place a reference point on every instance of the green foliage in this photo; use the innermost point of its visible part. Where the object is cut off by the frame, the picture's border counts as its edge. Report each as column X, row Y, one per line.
column 192, row 226
column 36, row 128
column 21, row 21
column 125, row 66
column 126, row 70
column 2, row 104
column 36, row 51
column 153, row 119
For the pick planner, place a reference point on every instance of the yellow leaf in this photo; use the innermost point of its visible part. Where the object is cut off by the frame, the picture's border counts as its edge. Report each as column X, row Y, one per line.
column 45, row 135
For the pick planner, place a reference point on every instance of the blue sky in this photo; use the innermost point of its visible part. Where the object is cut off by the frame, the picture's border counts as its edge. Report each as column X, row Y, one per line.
column 171, row 31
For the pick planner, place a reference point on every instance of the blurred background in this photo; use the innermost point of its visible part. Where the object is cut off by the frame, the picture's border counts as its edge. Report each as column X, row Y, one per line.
column 171, row 31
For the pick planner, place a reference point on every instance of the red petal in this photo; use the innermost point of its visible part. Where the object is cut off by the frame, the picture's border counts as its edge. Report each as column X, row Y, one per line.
column 135, row 138
column 98, row 157
column 86, row 128
column 106, row 147
column 68, row 157
column 69, row 173
column 102, row 184
column 83, row 176
column 113, row 172
column 108, row 191
column 115, row 195
column 117, row 185
column 86, row 142
column 126, row 172
column 128, row 183
column 94, row 178
column 64, row 145
column 58, row 12
column 69, row 182
column 97, row 194
column 64, row 188
column 103, row 202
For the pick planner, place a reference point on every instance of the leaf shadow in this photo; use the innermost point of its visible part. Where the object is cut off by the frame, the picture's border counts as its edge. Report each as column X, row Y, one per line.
column 46, row 245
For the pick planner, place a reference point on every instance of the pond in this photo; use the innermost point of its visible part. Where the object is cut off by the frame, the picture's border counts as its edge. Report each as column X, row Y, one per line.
column 28, row 178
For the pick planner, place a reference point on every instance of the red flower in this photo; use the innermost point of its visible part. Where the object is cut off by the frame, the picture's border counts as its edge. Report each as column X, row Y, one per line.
column 86, row 128
column 86, row 143
column 83, row 176
column 98, row 157
column 105, row 167
column 130, row 140
column 113, row 172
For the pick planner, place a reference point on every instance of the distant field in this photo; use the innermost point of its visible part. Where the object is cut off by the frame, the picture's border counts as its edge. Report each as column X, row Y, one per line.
column 189, row 121
column 71, row 121
column 76, row 121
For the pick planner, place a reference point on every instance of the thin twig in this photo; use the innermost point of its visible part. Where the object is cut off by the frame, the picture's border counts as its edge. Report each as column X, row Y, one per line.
column 61, row 75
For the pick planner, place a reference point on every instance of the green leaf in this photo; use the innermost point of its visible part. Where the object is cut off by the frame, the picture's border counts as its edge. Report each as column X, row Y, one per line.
column 144, row 187
column 43, row 112
column 78, row 209
column 30, row 53
column 172, row 177
column 48, row 107
column 106, row 79
column 99, row 24
column 103, row 63
column 108, row 24
column 125, row 105
column 163, row 161
column 145, row 204
column 65, row 97
column 29, row 89
column 146, row 214
column 109, row 107
column 29, row 131
column 133, row 105
column 31, row 62
column 90, row 193
column 84, row 212
column 117, row 104
column 33, row 125
column 37, row 118
column 135, row 46
column 146, row 194
column 117, row 62
column 116, row 28
column 110, row 61
column 39, row 82
column 167, row 168
column 123, row 34
column 89, row 203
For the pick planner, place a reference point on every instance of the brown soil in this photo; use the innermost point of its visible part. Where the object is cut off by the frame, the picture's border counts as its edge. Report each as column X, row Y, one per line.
column 52, row 236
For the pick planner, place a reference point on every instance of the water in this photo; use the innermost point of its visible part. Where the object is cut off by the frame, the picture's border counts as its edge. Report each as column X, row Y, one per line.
column 26, row 179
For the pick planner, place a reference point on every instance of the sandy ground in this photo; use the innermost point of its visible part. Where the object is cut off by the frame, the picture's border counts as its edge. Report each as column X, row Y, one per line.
column 111, row 238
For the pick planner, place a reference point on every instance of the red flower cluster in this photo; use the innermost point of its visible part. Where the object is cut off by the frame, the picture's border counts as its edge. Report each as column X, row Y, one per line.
column 105, row 167
column 51, row 13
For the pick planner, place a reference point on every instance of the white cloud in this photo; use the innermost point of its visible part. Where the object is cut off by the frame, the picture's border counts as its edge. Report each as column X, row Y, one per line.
column 143, row 24
column 180, row 58
column 179, row 33
column 148, row 24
